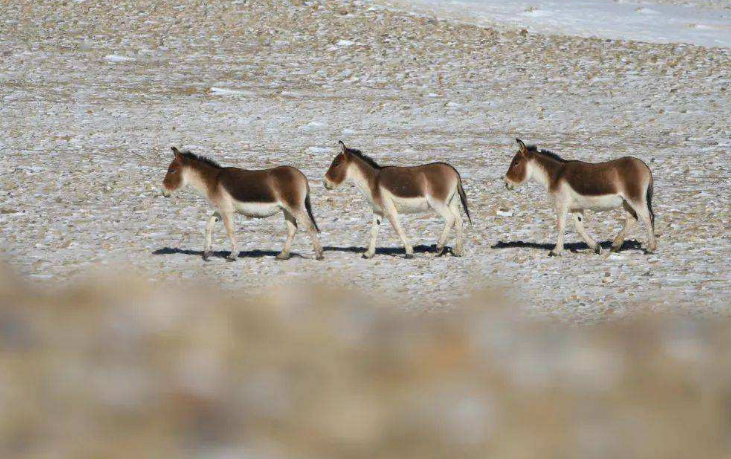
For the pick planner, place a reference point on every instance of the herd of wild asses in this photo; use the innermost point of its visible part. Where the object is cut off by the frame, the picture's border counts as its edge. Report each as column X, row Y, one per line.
column 575, row 186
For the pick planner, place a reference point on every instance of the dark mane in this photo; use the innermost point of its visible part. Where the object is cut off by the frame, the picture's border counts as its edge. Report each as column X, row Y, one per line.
column 370, row 161
column 550, row 154
column 190, row 156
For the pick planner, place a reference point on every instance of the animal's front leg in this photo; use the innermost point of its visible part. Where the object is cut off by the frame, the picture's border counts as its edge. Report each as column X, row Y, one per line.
column 561, row 211
column 393, row 218
column 374, row 236
column 209, row 234
column 229, row 224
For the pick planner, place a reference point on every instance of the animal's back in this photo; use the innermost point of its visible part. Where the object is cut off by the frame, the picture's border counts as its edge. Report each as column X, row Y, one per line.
column 610, row 177
column 414, row 181
column 248, row 185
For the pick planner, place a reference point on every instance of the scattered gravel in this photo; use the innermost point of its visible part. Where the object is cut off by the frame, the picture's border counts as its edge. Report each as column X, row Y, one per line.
column 93, row 96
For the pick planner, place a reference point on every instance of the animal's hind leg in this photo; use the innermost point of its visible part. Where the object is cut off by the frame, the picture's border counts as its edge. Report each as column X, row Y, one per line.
column 579, row 224
column 291, row 224
column 643, row 213
column 631, row 219
column 229, row 224
column 209, row 234
column 304, row 220
column 458, row 245
column 443, row 210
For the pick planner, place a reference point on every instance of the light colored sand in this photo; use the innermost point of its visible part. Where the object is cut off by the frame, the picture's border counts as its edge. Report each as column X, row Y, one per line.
column 86, row 142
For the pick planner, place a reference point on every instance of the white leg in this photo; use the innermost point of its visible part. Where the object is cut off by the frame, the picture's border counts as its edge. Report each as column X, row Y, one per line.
column 458, row 245
column 304, row 220
column 644, row 214
column 629, row 223
column 229, row 224
column 561, row 226
column 209, row 234
column 291, row 225
column 449, row 219
column 374, row 237
column 579, row 224
column 394, row 219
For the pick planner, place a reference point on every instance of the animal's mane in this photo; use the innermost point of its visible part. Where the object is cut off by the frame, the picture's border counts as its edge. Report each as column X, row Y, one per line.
column 189, row 155
column 548, row 153
column 370, row 161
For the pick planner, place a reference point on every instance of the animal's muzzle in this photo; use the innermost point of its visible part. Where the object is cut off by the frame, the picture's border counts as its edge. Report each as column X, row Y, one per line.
column 509, row 185
column 166, row 193
column 328, row 185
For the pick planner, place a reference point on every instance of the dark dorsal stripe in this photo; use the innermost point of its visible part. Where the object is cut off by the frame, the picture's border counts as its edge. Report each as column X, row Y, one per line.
column 190, row 156
column 370, row 161
column 547, row 153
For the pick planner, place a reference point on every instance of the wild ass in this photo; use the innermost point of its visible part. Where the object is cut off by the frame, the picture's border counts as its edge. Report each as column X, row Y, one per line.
column 390, row 190
column 577, row 186
column 254, row 193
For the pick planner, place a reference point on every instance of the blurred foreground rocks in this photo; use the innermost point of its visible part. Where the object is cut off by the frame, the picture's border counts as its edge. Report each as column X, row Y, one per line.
column 122, row 369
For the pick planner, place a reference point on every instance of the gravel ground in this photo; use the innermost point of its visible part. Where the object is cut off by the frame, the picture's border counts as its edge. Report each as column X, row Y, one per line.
column 94, row 95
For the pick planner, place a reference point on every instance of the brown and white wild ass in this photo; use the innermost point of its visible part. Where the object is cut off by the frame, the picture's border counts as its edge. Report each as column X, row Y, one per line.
column 577, row 186
column 391, row 190
column 254, row 193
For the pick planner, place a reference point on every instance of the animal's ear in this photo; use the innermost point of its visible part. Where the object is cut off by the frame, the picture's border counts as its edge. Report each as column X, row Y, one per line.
column 177, row 153
column 521, row 145
column 343, row 148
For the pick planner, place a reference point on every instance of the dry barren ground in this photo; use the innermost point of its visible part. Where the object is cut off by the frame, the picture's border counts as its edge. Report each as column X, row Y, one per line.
column 94, row 93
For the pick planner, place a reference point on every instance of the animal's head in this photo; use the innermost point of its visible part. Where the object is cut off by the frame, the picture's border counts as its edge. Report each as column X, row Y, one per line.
column 174, row 179
column 338, row 171
column 519, row 170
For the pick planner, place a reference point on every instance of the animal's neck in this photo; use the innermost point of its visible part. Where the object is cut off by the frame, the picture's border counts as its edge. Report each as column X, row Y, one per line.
column 362, row 175
column 200, row 178
column 544, row 169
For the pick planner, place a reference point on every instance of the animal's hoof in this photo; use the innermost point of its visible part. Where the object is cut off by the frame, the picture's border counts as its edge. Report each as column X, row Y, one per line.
column 282, row 256
column 650, row 250
column 458, row 253
column 598, row 249
column 441, row 251
column 367, row 256
column 206, row 256
column 319, row 256
column 616, row 248
column 231, row 257
column 555, row 253
column 409, row 256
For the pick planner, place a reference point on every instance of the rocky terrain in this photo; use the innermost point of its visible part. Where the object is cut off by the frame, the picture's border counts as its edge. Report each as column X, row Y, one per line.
column 94, row 94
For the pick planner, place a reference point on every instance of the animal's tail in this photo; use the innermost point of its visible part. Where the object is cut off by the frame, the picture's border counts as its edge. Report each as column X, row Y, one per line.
column 649, row 204
column 308, row 206
column 463, row 198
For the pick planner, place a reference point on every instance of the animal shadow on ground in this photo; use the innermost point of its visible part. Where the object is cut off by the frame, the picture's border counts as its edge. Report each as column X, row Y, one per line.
column 391, row 251
column 220, row 253
column 573, row 246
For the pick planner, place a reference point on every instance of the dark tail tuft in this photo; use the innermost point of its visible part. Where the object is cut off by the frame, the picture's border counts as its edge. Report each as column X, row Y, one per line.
column 463, row 198
column 308, row 206
column 649, row 205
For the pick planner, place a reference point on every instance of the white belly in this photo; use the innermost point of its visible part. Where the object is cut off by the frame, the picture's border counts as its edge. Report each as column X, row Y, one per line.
column 604, row 202
column 410, row 205
column 256, row 209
